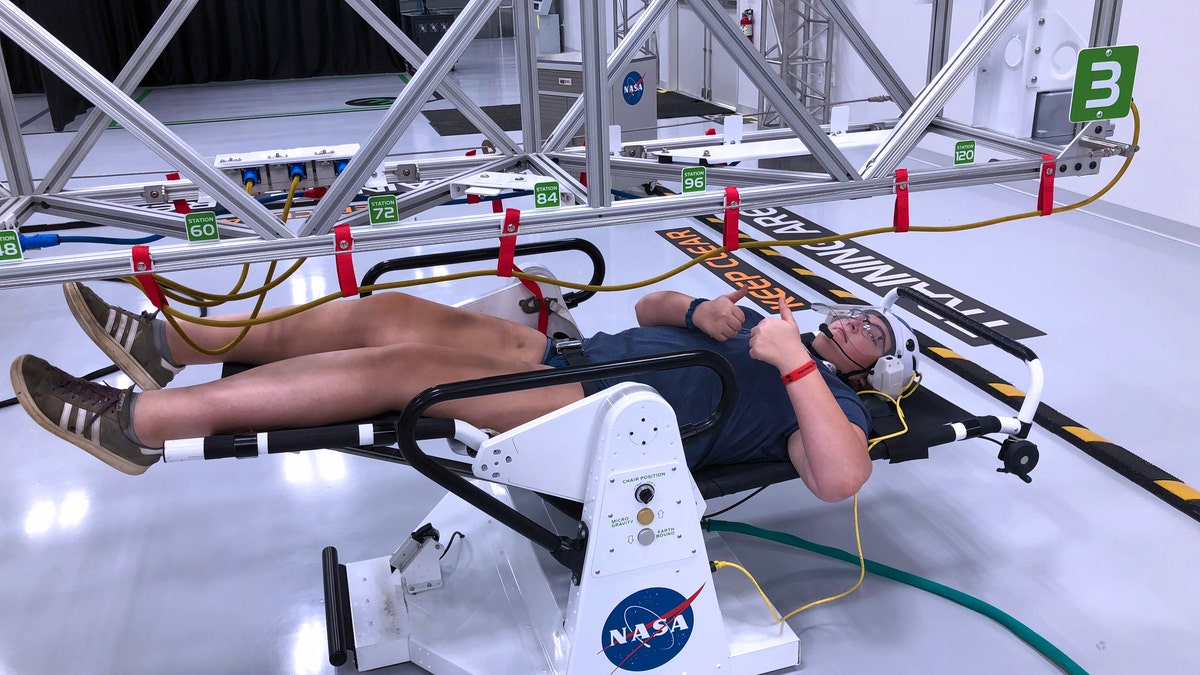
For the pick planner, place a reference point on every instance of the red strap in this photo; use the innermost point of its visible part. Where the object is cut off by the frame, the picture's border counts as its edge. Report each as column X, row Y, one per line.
column 472, row 199
column 508, row 242
column 497, row 205
column 181, row 205
column 799, row 373
column 143, row 270
column 710, row 131
column 900, row 215
column 583, row 178
column 1045, row 201
column 343, row 246
column 732, row 211
column 543, row 307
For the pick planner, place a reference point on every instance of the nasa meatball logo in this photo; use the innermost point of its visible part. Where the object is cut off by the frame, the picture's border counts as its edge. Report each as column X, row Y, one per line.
column 648, row 629
column 633, row 87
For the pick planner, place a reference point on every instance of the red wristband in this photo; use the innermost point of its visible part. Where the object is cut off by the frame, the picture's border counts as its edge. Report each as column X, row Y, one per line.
column 799, row 373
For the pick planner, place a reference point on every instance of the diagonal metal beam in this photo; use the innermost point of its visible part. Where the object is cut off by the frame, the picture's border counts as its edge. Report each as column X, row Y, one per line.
column 12, row 145
column 406, row 107
column 131, row 75
column 84, row 79
column 429, row 196
column 870, row 54
column 166, row 223
column 649, row 21
column 14, row 210
column 547, row 166
column 413, row 54
column 914, row 122
column 772, row 86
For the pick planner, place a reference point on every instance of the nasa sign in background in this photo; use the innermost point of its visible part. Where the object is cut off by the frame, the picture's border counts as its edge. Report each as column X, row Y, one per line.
column 633, row 87
column 648, row 628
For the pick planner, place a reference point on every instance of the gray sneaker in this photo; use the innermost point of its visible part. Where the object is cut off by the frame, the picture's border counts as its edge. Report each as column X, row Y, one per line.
column 88, row 414
column 125, row 337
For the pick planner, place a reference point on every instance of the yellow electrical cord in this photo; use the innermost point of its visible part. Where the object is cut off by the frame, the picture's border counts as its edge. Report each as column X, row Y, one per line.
column 647, row 282
column 862, row 563
column 172, row 315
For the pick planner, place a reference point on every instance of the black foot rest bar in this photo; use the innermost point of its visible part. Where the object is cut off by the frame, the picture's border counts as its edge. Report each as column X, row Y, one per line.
column 339, row 628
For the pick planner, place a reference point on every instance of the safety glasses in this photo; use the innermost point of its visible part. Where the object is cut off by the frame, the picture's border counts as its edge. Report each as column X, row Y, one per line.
column 870, row 324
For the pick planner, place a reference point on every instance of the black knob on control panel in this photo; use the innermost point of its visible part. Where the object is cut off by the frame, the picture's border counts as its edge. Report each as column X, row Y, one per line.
column 644, row 493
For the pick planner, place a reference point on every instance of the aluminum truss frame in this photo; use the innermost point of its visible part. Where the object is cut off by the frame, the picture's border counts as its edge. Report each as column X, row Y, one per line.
column 802, row 49
column 262, row 238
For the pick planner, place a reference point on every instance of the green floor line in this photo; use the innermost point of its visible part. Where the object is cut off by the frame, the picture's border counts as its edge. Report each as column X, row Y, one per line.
column 141, row 97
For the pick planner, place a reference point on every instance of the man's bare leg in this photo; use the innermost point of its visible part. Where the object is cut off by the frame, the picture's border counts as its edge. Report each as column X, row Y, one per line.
column 374, row 321
column 339, row 386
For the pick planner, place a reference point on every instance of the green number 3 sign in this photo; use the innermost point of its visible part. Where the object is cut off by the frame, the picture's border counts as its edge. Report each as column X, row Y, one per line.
column 1103, row 83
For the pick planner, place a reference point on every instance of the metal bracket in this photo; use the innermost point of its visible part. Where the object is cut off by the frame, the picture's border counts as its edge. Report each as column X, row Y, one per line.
column 493, row 184
column 155, row 194
column 533, row 305
column 1082, row 156
column 417, row 561
column 405, row 173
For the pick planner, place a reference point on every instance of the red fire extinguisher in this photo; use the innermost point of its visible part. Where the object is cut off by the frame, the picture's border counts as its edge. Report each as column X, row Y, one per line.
column 747, row 23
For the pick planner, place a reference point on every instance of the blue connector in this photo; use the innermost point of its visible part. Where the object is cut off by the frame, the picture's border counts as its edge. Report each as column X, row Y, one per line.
column 250, row 175
column 340, row 166
column 296, row 170
column 32, row 242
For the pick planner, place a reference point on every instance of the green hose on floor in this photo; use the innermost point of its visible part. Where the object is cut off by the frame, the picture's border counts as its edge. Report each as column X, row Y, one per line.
column 1016, row 627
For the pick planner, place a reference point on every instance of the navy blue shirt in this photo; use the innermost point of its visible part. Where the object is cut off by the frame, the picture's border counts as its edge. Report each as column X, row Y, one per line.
column 762, row 419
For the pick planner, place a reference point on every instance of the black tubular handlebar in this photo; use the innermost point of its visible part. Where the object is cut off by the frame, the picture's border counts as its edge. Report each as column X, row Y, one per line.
column 564, row 550
column 956, row 317
column 974, row 427
column 571, row 299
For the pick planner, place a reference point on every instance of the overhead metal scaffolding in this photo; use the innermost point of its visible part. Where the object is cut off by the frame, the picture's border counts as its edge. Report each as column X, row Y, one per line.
column 260, row 236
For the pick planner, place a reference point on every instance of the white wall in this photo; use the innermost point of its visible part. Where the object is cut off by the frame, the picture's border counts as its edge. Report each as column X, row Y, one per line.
column 1162, row 180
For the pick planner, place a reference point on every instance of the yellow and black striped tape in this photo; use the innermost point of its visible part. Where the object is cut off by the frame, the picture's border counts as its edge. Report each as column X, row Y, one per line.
column 1141, row 472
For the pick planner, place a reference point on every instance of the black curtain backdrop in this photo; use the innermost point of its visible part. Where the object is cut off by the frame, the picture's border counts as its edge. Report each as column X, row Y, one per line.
column 221, row 41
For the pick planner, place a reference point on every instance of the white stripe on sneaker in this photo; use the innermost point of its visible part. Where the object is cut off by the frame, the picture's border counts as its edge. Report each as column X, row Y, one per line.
column 133, row 331
column 94, row 430
column 65, row 418
column 112, row 320
column 80, row 418
column 121, row 326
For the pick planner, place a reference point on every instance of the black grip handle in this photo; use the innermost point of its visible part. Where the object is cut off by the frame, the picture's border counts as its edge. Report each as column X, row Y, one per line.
column 337, row 634
column 975, row 427
column 572, row 299
column 956, row 317
column 558, row 546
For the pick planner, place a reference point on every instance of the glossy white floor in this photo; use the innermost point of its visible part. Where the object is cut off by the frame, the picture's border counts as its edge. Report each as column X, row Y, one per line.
column 215, row 567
